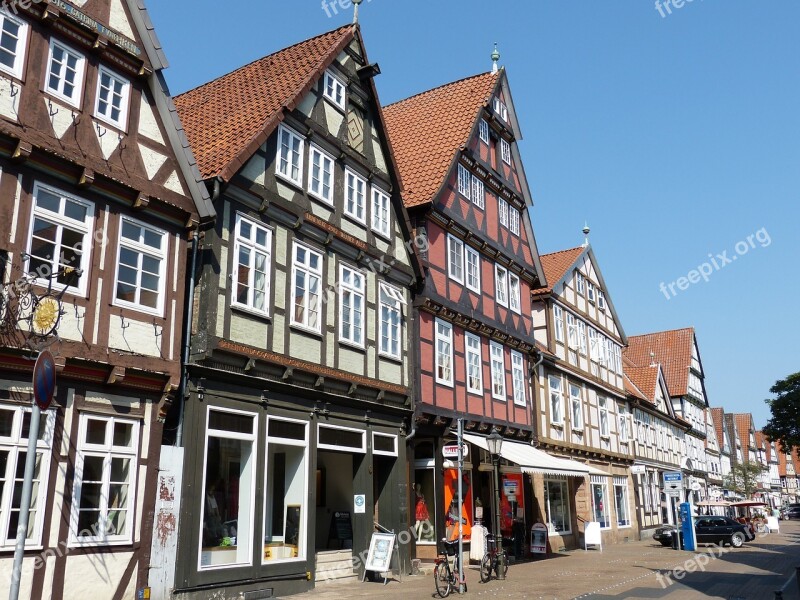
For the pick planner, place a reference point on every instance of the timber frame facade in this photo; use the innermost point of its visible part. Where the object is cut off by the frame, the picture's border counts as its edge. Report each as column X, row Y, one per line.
column 98, row 198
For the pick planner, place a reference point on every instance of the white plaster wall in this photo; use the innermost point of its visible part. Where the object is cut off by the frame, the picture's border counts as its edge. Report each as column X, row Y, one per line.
column 136, row 337
column 9, row 104
column 97, row 576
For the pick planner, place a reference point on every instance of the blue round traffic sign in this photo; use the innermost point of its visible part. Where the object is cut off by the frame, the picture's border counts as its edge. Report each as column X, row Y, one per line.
column 44, row 380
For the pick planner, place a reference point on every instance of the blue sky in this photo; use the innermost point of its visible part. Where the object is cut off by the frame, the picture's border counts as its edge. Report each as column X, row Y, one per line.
column 674, row 136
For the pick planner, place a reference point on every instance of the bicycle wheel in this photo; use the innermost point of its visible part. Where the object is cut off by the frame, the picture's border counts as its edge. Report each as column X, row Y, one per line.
column 441, row 577
column 486, row 568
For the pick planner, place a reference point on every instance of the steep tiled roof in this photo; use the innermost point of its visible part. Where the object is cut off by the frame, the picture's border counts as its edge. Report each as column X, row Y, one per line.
column 645, row 379
column 555, row 265
column 718, row 414
column 227, row 119
column 427, row 130
column 632, row 390
column 672, row 349
column 743, row 422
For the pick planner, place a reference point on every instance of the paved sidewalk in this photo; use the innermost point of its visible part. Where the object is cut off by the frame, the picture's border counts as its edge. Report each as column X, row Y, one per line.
column 632, row 570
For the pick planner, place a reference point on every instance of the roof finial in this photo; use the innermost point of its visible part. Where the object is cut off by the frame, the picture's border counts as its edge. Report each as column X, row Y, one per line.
column 495, row 58
column 586, row 231
column 653, row 362
column 355, row 10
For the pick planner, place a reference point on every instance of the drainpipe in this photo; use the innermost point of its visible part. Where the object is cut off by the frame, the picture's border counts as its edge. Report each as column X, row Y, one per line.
column 534, row 402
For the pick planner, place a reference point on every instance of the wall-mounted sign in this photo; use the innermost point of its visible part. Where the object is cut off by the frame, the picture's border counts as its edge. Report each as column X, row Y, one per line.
column 360, row 503
column 451, row 450
column 638, row 469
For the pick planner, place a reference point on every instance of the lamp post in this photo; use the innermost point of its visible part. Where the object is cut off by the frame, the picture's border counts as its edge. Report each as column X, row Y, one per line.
column 495, row 443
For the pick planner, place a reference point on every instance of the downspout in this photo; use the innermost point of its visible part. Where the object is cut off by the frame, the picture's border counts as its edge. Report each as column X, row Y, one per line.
column 534, row 403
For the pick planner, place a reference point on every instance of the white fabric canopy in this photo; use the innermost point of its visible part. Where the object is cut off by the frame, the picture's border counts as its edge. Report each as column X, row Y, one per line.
column 533, row 460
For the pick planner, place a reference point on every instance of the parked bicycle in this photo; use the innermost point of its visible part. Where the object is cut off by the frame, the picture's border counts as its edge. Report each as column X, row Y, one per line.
column 445, row 575
column 491, row 560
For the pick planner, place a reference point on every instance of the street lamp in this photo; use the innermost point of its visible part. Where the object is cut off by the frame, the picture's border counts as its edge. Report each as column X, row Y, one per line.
column 495, row 444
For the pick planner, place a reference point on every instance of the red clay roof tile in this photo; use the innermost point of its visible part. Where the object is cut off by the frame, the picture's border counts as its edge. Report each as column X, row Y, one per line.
column 672, row 349
column 555, row 266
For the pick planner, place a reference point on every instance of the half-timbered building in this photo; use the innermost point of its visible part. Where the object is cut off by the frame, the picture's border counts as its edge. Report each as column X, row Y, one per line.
column 582, row 409
column 97, row 198
column 725, row 447
column 300, row 377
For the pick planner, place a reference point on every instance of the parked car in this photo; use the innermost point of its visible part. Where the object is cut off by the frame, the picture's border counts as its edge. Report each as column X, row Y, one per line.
column 663, row 535
column 790, row 513
column 711, row 530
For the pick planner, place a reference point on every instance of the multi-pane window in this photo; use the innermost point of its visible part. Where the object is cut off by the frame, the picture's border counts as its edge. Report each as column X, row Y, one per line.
column 289, row 163
column 514, row 293
column 15, row 425
column 306, row 287
column 621, row 501
column 498, row 371
column 501, row 285
column 60, row 238
column 391, row 308
column 478, row 193
column 580, row 282
column 251, row 275
column 105, row 479
column 503, row 210
column 558, row 511
column 473, row 265
column 320, row 175
column 582, row 336
column 590, row 291
column 65, row 73
column 13, row 41
column 518, row 378
column 455, row 259
column 380, row 212
column 505, row 151
column 572, row 331
column 351, row 305
column 558, row 314
column 576, row 406
column 603, row 403
column 513, row 220
column 556, row 400
column 624, row 422
column 600, row 507
column 141, row 265
column 444, row 352
column 501, row 109
column 472, row 351
column 594, row 344
column 334, row 89
column 464, row 182
column 355, row 196
column 113, row 95
column 601, row 300
column 483, row 131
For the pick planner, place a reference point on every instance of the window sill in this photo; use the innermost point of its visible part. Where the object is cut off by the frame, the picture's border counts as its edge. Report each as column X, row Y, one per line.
column 120, row 128
column 305, row 329
column 341, row 109
column 355, row 219
column 386, row 237
column 140, row 309
column 251, row 312
column 352, row 345
column 298, row 185
column 557, row 425
column 68, row 101
column 391, row 357
column 443, row 382
column 315, row 196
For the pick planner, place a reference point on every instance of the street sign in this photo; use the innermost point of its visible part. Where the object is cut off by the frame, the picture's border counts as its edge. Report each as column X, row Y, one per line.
column 638, row 469
column 451, row 450
column 44, row 380
column 673, row 480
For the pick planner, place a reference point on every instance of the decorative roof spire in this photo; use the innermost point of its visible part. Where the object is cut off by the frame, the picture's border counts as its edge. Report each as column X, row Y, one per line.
column 355, row 10
column 586, row 231
column 495, row 58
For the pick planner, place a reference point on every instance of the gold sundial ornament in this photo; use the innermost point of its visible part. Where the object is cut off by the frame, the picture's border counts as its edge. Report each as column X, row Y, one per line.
column 46, row 315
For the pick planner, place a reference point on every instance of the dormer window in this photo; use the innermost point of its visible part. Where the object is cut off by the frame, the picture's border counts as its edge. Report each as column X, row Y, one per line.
column 65, row 73
column 113, row 93
column 334, row 89
column 500, row 109
column 13, row 41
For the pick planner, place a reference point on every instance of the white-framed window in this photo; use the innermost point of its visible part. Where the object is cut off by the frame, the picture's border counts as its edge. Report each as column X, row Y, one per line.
column 141, row 267
column 455, row 259
column 306, row 287
column 624, row 422
column 391, row 309
column 603, row 406
column 13, row 43
column 444, row 352
column 104, row 488
column 590, row 291
column 60, row 240
column 601, row 300
column 518, row 378
column 384, row 444
column 289, row 163
column 505, row 151
column 572, row 331
column 473, row 265
column 15, row 426
column 381, row 212
column 558, row 316
column 227, row 498
column 559, row 519
column 502, row 209
column 621, row 502
column 334, row 90
column 513, row 220
column 251, row 274
column 464, row 182
column 352, row 286
column 500, row 108
column 478, row 193
column 600, row 507
column 355, row 196
column 483, row 131
column 113, row 98
column 498, row 371
column 474, row 360
column 286, row 510
column 594, row 345
column 580, row 282
column 582, row 336
column 320, row 174
column 345, row 439
column 556, row 400
column 65, row 68
column 514, row 293
column 501, row 285
column 576, row 407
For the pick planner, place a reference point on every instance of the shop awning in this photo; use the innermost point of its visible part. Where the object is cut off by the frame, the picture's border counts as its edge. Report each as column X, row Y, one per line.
column 533, row 460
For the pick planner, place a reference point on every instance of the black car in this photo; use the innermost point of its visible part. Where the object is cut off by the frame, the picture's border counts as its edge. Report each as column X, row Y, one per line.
column 663, row 535
column 791, row 513
column 710, row 530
